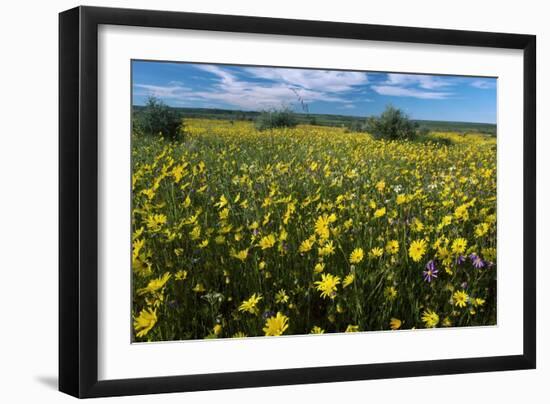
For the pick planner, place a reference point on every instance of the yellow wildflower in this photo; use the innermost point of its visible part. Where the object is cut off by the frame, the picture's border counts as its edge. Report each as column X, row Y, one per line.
column 249, row 305
column 481, row 229
column 379, row 212
column 478, row 301
column 376, row 252
column 224, row 214
column 319, row 267
column 217, row 330
column 306, row 245
column 348, row 280
column 281, row 296
column 155, row 284
column 352, row 328
column 356, row 256
column 199, row 288
column 401, row 199
column 195, row 234
column 430, row 318
column 392, row 247
column 459, row 246
column 222, row 202
column 317, row 330
column 267, row 242
column 155, row 222
column 390, row 292
column 145, row 322
column 395, row 323
column 322, row 227
column 277, row 325
column 327, row 250
column 241, row 255
column 417, row 250
column 328, row 285
column 460, row 298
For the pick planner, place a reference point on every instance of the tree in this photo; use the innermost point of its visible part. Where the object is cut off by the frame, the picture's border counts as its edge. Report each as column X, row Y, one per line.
column 392, row 124
column 158, row 118
column 276, row 118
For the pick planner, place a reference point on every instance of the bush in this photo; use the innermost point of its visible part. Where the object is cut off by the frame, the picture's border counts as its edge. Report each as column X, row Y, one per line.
column 159, row 118
column 281, row 118
column 392, row 124
column 356, row 126
column 430, row 138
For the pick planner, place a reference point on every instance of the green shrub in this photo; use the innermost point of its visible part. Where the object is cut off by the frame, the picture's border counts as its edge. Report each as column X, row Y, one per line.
column 276, row 118
column 356, row 125
column 392, row 124
column 429, row 138
column 158, row 118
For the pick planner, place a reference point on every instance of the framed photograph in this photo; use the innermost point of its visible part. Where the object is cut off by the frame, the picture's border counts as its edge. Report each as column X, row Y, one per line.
column 251, row 201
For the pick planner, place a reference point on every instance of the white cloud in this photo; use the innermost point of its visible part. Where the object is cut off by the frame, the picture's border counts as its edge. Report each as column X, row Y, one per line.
column 419, row 80
column 224, row 75
column 283, row 87
column 330, row 81
column 482, row 84
column 171, row 91
column 410, row 92
column 416, row 86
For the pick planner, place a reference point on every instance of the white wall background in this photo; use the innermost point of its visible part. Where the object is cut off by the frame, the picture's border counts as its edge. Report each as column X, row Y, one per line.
column 28, row 199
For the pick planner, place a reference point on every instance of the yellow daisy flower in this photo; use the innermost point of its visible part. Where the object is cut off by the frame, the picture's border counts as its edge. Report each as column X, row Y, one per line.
column 275, row 326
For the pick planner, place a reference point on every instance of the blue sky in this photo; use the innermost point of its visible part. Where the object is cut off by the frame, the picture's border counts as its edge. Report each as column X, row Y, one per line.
column 444, row 98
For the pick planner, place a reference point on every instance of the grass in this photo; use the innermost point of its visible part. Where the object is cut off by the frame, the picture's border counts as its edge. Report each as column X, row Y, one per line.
column 233, row 214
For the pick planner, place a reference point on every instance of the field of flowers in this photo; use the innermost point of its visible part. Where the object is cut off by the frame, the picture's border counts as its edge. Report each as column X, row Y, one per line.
column 240, row 233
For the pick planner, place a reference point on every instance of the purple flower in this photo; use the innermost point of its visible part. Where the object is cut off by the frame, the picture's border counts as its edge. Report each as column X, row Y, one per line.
column 477, row 262
column 460, row 259
column 430, row 272
column 430, row 265
column 464, row 285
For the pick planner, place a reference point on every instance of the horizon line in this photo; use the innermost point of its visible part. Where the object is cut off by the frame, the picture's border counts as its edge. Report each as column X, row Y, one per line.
column 316, row 113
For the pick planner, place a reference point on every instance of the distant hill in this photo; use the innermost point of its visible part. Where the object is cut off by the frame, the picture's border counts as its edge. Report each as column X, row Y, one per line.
column 330, row 120
column 462, row 127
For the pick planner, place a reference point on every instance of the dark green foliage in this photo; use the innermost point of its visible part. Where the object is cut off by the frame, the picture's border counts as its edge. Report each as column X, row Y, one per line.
column 276, row 118
column 357, row 125
column 427, row 138
column 157, row 118
column 392, row 124
column 423, row 132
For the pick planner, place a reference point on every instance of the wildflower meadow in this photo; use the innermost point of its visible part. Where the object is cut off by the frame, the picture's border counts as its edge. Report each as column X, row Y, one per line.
column 238, row 232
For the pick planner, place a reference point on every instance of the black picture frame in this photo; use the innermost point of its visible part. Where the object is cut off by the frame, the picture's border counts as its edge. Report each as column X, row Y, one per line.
column 78, row 200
